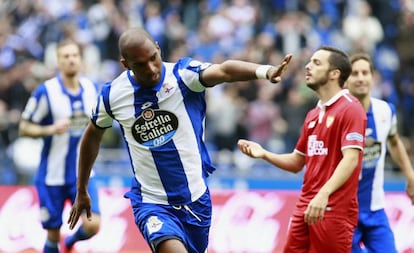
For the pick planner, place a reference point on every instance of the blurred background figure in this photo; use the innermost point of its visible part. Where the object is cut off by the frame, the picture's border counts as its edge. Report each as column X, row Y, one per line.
column 57, row 112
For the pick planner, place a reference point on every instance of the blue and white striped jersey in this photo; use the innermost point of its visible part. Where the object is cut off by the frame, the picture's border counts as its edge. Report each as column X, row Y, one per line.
column 51, row 102
column 163, row 128
column 381, row 123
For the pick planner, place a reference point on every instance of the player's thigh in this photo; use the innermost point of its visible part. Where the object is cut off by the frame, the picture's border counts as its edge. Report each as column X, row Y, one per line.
column 357, row 240
column 298, row 236
column 379, row 237
column 157, row 224
column 51, row 202
column 333, row 234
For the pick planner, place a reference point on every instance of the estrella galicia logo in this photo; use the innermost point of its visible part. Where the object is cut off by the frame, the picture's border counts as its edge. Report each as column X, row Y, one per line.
column 154, row 127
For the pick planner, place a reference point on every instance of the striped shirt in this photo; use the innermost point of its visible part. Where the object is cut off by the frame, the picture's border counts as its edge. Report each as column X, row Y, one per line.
column 382, row 123
column 163, row 128
column 49, row 103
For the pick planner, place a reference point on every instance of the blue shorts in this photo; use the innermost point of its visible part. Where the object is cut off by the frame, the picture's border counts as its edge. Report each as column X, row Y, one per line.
column 52, row 202
column 188, row 223
column 374, row 232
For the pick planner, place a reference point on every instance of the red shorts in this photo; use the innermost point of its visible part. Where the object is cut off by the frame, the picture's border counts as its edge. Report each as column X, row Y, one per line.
column 333, row 235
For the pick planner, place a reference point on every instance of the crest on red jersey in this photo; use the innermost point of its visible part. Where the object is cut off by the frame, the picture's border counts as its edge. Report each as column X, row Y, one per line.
column 329, row 121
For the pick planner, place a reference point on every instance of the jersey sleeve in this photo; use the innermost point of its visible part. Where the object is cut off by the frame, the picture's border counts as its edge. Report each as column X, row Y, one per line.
column 189, row 71
column 101, row 114
column 37, row 107
column 354, row 124
column 393, row 129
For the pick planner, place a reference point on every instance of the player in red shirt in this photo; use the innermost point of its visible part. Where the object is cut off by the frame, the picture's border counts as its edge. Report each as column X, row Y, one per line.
column 330, row 148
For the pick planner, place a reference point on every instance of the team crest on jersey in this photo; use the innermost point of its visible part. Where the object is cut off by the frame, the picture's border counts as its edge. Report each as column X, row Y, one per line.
column 329, row 121
column 167, row 88
column 154, row 224
column 78, row 122
column 372, row 152
column 154, row 128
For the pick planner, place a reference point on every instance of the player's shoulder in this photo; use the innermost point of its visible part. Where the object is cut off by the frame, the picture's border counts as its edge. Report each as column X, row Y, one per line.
column 51, row 81
column 86, row 80
column 48, row 86
column 382, row 107
column 350, row 105
column 191, row 63
column 348, row 100
column 376, row 102
column 121, row 79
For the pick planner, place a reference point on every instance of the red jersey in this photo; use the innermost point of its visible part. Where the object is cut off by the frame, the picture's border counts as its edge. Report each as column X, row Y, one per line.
column 328, row 129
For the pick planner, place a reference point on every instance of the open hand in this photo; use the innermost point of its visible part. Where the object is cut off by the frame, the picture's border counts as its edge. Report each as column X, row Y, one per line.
column 251, row 148
column 82, row 203
column 275, row 73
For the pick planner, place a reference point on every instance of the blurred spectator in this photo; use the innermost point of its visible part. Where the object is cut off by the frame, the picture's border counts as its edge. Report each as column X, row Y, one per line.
column 263, row 117
column 224, row 113
column 294, row 110
column 362, row 28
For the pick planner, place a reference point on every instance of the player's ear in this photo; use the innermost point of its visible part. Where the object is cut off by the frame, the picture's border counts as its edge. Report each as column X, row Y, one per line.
column 124, row 63
column 335, row 73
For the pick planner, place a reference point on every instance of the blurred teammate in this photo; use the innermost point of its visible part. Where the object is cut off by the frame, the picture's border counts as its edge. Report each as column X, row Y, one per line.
column 330, row 146
column 373, row 229
column 57, row 112
column 161, row 109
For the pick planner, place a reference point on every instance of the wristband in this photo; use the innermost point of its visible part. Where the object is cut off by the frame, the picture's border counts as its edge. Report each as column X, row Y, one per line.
column 261, row 71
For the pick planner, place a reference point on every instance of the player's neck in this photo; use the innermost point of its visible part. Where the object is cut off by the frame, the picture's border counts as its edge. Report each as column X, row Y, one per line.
column 327, row 91
column 71, row 83
column 366, row 102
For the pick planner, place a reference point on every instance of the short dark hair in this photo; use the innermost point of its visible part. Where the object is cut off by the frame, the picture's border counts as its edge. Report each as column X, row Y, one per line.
column 365, row 57
column 338, row 59
column 67, row 41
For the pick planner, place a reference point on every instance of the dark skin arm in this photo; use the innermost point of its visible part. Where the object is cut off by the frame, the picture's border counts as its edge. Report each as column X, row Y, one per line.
column 234, row 70
column 89, row 149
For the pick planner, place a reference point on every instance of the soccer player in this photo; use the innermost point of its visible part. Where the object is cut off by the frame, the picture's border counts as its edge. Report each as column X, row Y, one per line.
column 330, row 147
column 373, row 229
column 57, row 112
column 161, row 109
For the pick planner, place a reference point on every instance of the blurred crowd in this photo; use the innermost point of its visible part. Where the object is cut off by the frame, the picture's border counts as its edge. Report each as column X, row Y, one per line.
column 261, row 31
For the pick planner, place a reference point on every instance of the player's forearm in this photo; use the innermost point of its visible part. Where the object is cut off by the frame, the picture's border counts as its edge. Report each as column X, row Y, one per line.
column 399, row 155
column 292, row 162
column 342, row 172
column 35, row 131
column 89, row 149
column 229, row 71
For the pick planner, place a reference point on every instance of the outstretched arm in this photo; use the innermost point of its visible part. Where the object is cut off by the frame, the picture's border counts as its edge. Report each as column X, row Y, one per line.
column 292, row 162
column 234, row 70
column 89, row 149
column 399, row 155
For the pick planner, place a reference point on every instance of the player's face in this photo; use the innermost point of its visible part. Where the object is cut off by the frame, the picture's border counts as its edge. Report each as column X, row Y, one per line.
column 145, row 62
column 69, row 59
column 317, row 70
column 360, row 81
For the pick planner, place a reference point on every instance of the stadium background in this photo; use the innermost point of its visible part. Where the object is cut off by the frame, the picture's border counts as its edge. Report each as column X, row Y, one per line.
column 212, row 30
